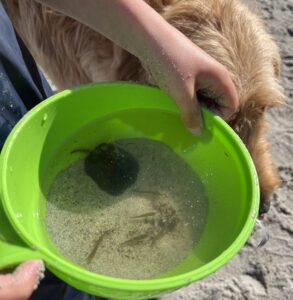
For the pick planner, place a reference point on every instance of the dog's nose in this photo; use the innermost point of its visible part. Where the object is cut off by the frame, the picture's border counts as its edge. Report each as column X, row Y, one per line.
column 264, row 207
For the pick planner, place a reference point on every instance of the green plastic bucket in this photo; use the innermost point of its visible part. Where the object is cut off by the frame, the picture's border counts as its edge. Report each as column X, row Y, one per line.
column 123, row 111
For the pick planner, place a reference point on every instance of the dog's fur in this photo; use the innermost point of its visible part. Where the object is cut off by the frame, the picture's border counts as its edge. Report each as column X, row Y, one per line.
column 72, row 54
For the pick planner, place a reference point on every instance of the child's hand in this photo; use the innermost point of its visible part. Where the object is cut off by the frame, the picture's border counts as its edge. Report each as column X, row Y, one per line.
column 20, row 284
column 182, row 69
column 176, row 65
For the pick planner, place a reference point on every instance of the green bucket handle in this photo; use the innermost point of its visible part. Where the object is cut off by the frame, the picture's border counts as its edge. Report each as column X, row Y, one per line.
column 12, row 248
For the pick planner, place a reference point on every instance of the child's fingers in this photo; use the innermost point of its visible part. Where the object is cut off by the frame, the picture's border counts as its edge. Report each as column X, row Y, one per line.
column 191, row 114
column 223, row 84
column 20, row 284
column 215, row 83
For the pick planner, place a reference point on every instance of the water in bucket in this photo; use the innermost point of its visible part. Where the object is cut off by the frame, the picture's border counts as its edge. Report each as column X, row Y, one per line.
column 146, row 230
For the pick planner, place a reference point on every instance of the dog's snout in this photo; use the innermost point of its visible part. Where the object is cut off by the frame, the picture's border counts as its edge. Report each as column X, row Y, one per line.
column 264, row 207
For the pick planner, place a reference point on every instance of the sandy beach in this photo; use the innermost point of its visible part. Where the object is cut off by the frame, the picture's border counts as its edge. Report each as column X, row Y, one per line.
column 267, row 272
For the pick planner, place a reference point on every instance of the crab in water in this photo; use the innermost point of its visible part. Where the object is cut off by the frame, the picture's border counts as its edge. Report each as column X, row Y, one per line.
column 158, row 223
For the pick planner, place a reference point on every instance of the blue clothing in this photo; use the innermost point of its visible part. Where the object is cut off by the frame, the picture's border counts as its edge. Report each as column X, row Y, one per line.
column 22, row 86
column 19, row 91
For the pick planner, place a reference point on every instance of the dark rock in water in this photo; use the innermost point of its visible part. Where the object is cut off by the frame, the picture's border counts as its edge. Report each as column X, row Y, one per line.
column 112, row 168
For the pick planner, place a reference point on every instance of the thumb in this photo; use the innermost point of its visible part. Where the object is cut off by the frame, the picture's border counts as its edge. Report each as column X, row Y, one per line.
column 22, row 282
column 191, row 114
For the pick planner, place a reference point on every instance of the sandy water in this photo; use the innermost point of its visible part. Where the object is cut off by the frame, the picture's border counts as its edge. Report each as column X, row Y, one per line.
column 140, row 234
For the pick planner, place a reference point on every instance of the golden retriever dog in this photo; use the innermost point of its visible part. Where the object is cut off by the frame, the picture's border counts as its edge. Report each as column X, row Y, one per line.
column 72, row 54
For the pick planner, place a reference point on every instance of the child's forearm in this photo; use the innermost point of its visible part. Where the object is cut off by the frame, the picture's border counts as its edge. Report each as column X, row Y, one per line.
column 175, row 64
column 131, row 24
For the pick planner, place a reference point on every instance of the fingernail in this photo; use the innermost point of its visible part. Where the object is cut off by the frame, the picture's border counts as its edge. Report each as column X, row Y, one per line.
column 34, row 267
column 195, row 131
column 41, row 274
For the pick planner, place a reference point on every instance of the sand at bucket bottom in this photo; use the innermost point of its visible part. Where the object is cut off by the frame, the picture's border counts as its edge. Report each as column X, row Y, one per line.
column 147, row 230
